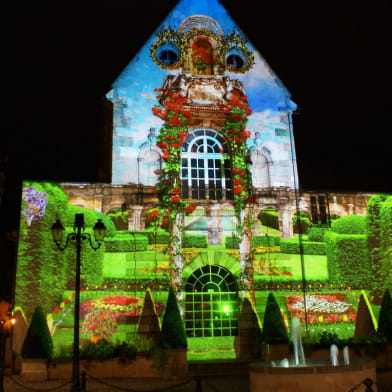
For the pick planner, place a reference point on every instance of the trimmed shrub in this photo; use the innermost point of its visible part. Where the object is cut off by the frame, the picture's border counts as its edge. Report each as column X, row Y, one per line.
column 292, row 246
column 172, row 332
column 124, row 244
column 348, row 259
column 269, row 217
column 195, row 241
column 38, row 342
column 149, row 321
column 385, row 318
column 90, row 219
column 274, row 330
column 301, row 222
column 316, row 234
column 386, row 223
column 373, row 222
column 232, row 242
column 154, row 237
column 265, row 240
column 349, row 224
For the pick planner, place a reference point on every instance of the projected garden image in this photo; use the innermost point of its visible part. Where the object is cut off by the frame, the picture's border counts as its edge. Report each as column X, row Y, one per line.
column 341, row 261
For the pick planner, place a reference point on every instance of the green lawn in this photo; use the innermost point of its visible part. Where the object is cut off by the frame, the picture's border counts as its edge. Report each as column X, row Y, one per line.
column 315, row 265
column 150, row 264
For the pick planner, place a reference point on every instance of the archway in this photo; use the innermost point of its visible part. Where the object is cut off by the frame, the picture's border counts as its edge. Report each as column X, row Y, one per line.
column 211, row 302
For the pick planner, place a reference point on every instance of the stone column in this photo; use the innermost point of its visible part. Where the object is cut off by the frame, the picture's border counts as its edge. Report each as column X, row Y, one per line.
column 176, row 258
column 214, row 225
column 246, row 259
column 135, row 221
column 286, row 220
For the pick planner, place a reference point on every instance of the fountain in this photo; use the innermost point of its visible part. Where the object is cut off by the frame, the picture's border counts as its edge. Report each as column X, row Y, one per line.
column 306, row 375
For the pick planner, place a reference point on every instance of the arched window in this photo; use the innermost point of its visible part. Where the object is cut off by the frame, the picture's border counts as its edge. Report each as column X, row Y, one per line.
column 205, row 167
column 202, row 57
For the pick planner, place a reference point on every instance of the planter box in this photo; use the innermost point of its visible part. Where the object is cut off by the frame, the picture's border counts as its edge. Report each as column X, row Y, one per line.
column 142, row 367
column 177, row 363
column 380, row 353
column 34, row 370
column 274, row 352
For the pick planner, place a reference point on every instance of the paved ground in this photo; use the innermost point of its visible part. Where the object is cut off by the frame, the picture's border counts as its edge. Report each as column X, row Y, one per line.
column 208, row 383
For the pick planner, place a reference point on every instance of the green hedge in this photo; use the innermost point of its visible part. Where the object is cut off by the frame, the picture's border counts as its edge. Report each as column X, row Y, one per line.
column 195, row 241
column 291, row 245
column 316, row 234
column 386, row 223
column 131, row 244
column 264, row 240
column 348, row 259
column 349, row 224
column 373, row 221
column 232, row 242
column 154, row 237
column 269, row 217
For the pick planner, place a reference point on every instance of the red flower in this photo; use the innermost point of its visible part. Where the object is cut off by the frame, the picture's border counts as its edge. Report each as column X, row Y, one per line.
column 153, row 216
column 189, row 209
column 56, row 310
column 238, row 181
column 175, row 145
column 66, row 301
column 175, row 191
column 175, row 199
column 237, row 190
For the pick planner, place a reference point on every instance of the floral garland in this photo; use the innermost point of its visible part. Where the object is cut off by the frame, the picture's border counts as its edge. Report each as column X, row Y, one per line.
column 169, row 35
column 234, row 129
column 170, row 140
column 235, row 40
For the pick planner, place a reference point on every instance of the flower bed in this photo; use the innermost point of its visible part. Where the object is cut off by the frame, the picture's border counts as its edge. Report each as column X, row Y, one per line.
column 118, row 305
column 322, row 308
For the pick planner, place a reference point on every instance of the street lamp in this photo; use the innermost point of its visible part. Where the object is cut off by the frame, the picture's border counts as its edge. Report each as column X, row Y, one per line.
column 77, row 237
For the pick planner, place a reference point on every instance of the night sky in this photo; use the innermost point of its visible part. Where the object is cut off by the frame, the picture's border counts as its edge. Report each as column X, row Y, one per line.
column 58, row 61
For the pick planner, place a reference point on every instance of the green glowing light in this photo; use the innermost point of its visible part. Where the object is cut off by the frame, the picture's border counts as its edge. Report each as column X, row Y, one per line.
column 225, row 308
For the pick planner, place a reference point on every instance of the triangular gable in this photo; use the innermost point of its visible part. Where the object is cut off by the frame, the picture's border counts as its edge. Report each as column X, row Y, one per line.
column 133, row 96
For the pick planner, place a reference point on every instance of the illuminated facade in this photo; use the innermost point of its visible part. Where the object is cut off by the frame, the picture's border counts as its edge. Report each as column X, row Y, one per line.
column 204, row 192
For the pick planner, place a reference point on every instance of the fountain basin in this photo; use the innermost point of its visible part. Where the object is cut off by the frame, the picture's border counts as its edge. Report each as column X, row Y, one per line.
column 315, row 376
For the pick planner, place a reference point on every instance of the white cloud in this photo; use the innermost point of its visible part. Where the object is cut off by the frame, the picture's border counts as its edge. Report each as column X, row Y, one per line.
column 149, row 96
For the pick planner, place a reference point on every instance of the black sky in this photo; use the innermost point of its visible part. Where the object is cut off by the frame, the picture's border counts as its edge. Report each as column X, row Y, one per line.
column 59, row 59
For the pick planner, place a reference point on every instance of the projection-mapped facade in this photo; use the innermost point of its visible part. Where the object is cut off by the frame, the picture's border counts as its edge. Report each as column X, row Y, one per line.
column 204, row 193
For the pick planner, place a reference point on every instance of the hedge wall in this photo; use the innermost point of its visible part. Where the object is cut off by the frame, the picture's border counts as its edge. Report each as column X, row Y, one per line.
column 291, row 245
column 131, row 244
column 348, row 259
column 349, row 224
column 264, row 240
column 386, row 223
column 233, row 242
column 269, row 217
column 195, row 241
column 154, row 237
column 373, row 221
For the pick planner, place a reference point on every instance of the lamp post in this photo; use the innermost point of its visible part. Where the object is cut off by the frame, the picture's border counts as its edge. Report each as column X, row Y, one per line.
column 77, row 237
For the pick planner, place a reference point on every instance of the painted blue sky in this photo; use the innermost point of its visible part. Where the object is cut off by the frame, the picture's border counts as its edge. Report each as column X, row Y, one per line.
column 135, row 86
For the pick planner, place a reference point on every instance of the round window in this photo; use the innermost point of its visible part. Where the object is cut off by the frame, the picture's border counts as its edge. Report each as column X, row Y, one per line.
column 236, row 59
column 168, row 54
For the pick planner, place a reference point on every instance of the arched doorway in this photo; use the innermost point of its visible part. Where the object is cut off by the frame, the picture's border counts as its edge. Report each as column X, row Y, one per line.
column 211, row 302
